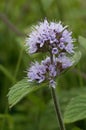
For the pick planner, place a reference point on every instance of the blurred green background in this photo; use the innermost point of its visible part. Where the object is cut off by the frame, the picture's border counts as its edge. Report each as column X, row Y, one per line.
column 35, row 111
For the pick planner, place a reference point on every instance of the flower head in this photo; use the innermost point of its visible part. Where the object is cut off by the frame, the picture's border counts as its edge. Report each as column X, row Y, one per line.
column 36, row 72
column 50, row 36
column 55, row 39
column 48, row 71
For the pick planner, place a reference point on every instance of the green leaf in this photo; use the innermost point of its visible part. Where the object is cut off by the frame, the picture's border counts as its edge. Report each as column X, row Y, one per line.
column 66, row 95
column 76, row 128
column 20, row 90
column 76, row 57
column 82, row 42
column 82, row 47
column 76, row 109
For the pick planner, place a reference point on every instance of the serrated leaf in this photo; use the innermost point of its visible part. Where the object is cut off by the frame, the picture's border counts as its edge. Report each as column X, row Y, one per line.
column 20, row 90
column 76, row 109
column 66, row 95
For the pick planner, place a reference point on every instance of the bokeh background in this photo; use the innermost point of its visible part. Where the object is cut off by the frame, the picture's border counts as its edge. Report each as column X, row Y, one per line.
column 35, row 111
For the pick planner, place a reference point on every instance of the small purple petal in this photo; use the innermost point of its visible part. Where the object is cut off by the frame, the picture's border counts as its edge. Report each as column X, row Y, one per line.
column 66, row 62
column 69, row 48
column 54, row 51
column 61, row 46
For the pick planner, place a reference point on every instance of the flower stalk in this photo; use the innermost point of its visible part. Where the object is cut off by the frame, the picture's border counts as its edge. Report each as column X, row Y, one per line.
column 57, row 109
column 56, row 101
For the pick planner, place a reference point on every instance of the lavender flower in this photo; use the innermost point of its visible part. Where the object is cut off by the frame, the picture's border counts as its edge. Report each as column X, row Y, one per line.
column 40, row 72
column 50, row 37
column 37, row 72
column 48, row 71
column 64, row 61
column 58, row 42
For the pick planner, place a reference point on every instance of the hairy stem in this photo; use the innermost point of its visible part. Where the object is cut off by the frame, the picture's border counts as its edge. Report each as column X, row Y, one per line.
column 57, row 108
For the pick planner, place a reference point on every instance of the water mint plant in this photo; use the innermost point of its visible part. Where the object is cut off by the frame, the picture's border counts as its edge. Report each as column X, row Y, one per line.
column 55, row 41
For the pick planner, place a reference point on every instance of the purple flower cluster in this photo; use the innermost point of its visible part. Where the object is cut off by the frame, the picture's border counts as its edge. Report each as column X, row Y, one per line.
column 42, row 71
column 47, row 71
column 51, row 37
column 57, row 41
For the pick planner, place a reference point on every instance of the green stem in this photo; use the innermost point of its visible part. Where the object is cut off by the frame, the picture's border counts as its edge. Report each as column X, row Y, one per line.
column 19, row 62
column 57, row 108
column 4, row 119
column 7, row 73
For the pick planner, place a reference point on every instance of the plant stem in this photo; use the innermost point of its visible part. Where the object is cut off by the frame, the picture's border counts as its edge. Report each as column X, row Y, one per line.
column 57, row 108
column 19, row 62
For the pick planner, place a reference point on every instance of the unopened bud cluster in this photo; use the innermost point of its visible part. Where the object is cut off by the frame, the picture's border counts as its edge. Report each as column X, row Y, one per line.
column 55, row 40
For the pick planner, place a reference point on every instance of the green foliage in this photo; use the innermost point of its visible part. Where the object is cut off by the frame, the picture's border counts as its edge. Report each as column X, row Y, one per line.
column 76, row 57
column 76, row 109
column 82, row 42
column 20, row 90
column 7, row 73
column 76, row 128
